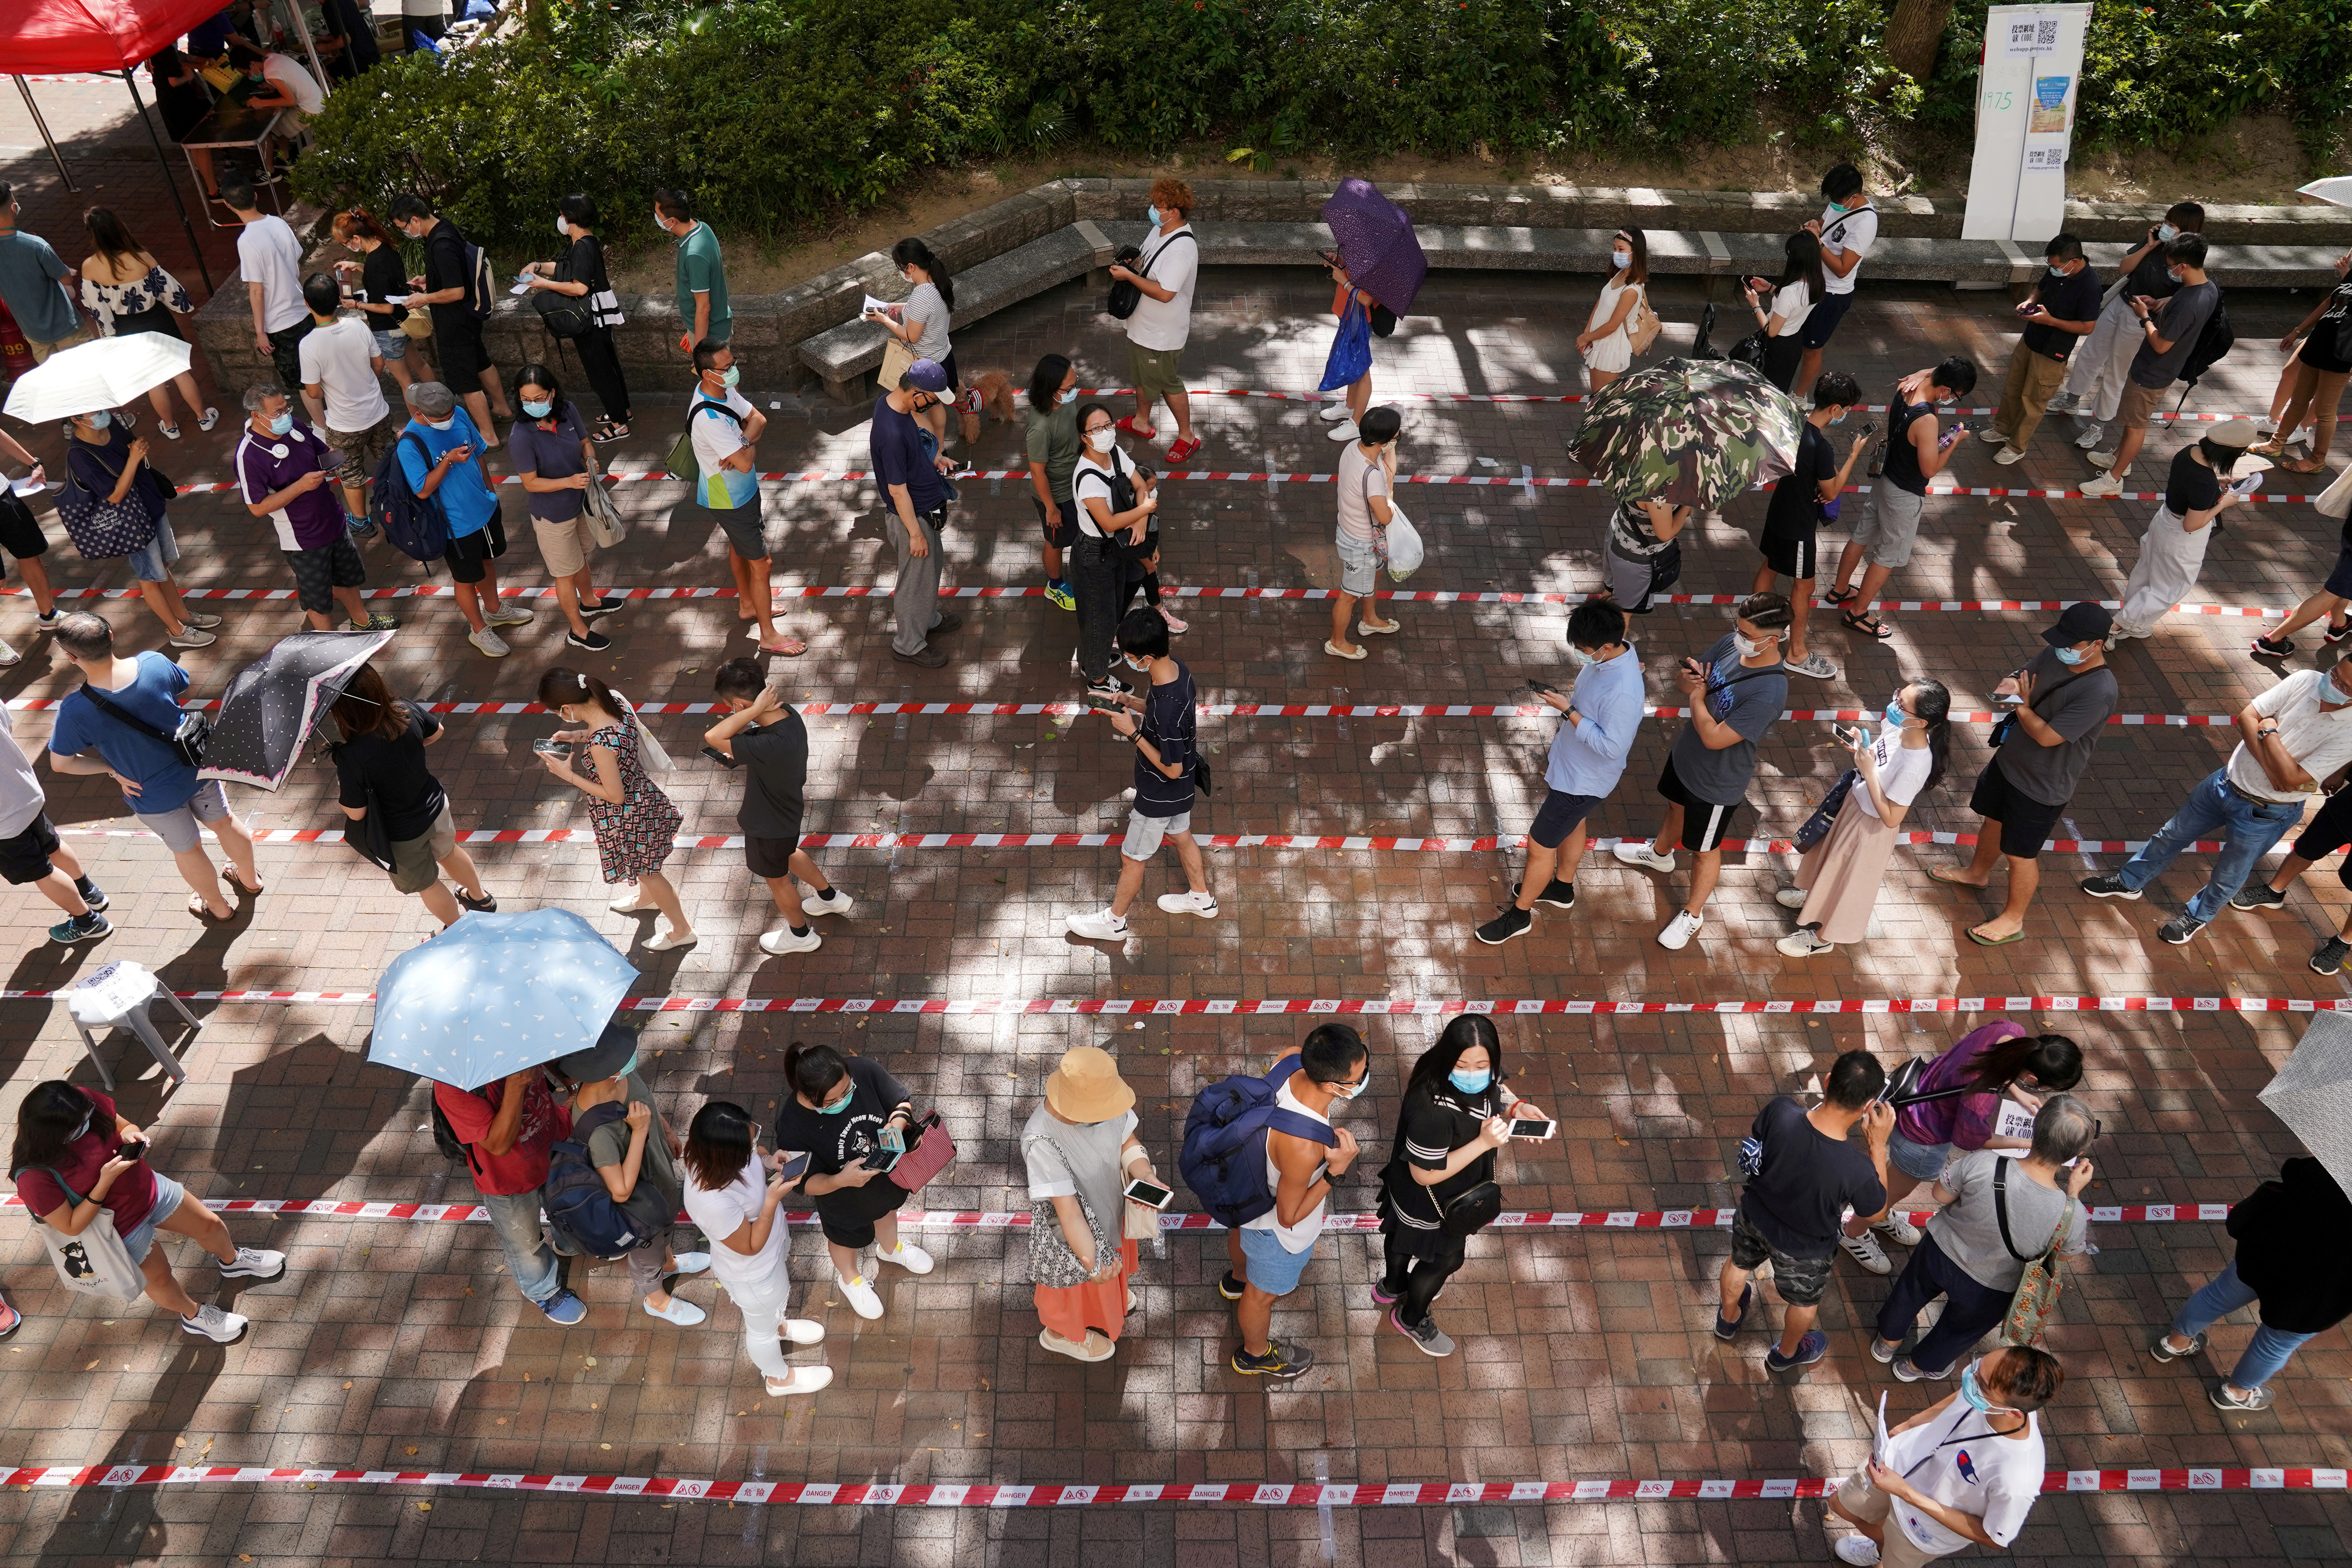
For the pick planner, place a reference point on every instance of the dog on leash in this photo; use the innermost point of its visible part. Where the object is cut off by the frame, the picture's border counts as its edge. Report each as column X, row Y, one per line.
column 990, row 391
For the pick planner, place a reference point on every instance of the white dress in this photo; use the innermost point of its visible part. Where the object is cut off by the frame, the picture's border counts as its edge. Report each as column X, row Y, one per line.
column 2171, row 556
column 1615, row 352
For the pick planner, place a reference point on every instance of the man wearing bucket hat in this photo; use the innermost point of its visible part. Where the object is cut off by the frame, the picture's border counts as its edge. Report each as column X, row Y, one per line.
column 631, row 1151
column 1081, row 1152
column 909, row 471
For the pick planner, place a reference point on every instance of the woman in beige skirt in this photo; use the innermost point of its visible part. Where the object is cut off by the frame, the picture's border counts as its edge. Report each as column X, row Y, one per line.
column 1837, row 881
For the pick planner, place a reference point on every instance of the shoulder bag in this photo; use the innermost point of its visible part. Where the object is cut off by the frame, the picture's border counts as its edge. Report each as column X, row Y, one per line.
column 96, row 1262
column 1051, row 1262
column 2034, row 1306
column 1817, row 827
column 1472, row 1211
column 927, row 1154
column 100, row 528
column 1124, row 296
column 564, row 315
column 2007, row 725
column 188, row 741
column 683, row 464
column 1642, row 328
column 368, row 837
column 601, row 515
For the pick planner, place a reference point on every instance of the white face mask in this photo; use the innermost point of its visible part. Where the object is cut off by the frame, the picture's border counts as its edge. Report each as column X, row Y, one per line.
column 448, row 423
column 1748, row 647
column 1621, row 260
column 562, row 223
column 1099, row 439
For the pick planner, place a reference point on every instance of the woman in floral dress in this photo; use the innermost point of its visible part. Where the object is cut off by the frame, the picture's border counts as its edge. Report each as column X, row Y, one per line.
column 635, row 821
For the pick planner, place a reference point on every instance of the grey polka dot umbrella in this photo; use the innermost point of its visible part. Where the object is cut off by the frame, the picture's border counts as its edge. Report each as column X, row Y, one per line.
column 273, row 704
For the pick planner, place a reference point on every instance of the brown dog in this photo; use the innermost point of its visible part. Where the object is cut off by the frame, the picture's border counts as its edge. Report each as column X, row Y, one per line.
column 991, row 390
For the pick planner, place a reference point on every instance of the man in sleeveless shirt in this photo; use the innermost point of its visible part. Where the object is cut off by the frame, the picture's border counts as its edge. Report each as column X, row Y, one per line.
column 1889, row 524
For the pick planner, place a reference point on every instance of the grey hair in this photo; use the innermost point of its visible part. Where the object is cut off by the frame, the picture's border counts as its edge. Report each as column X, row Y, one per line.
column 431, row 399
column 2062, row 1128
column 260, row 392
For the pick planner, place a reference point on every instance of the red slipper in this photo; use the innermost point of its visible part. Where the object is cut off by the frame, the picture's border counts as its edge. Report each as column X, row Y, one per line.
column 1182, row 452
column 1140, row 432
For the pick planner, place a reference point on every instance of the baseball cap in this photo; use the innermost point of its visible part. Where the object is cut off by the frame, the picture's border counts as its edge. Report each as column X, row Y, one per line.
column 928, row 375
column 614, row 1054
column 2080, row 621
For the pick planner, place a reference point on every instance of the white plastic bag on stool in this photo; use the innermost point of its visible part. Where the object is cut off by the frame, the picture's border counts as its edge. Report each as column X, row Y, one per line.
column 1404, row 546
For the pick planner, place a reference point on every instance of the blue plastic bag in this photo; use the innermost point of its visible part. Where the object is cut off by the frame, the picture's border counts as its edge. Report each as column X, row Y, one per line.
column 1351, row 349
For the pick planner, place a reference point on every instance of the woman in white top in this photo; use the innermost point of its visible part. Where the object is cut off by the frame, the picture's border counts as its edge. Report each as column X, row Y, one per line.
column 1115, row 550
column 1802, row 287
column 1837, row 882
column 129, row 293
column 732, row 1199
column 922, row 321
column 1606, row 343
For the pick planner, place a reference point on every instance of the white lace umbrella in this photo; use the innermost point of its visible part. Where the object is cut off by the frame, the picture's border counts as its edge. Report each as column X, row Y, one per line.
column 2313, row 1094
column 107, row 373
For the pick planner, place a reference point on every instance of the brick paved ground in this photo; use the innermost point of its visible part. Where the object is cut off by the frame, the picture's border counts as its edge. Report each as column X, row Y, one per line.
column 396, row 1345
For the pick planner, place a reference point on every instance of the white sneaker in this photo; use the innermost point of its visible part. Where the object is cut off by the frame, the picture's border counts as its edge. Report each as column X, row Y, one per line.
column 1990, row 437
column 1803, row 944
column 832, row 901
column 1201, row 904
column 2267, row 426
column 782, row 941
column 680, row 1310
column 802, row 1332
column 2105, row 457
column 2008, row 454
column 2091, row 436
column 860, row 1296
column 808, row 1380
column 254, row 1263
column 2106, row 484
column 2064, row 403
column 630, row 900
column 1344, row 431
column 1679, row 930
column 1899, row 1231
column 485, row 641
column 1790, row 898
column 210, row 419
column 1640, row 852
column 1098, row 925
column 1335, row 409
column 510, row 615
column 221, row 1328
column 1859, row 1549
column 907, row 1255
column 1867, row 1252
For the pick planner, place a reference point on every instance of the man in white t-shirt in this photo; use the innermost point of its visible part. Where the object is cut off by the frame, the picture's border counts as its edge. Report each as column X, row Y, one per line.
column 1848, row 227
column 1164, row 275
column 1366, row 484
column 1964, row 1470
column 341, row 390
column 727, row 431
column 269, row 259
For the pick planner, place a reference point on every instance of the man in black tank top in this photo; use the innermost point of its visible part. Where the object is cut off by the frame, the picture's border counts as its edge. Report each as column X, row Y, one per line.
column 1889, row 523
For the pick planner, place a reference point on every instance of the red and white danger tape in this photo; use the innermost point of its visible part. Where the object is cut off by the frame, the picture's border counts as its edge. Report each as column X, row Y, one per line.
column 1262, row 1494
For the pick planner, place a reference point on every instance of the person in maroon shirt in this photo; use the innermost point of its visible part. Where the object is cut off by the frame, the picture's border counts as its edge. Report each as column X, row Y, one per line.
column 508, row 1128
column 76, row 1155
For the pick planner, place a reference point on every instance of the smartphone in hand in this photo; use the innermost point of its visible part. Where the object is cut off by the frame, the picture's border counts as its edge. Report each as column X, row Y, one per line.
column 1545, row 689
column 721, row 758
column 547, row 746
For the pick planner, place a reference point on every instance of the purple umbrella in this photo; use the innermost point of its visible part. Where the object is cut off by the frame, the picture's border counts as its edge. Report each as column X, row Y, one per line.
column 1377, row 244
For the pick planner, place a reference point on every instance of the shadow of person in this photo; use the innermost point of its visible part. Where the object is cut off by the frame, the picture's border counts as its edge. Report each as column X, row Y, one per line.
column 117, row 1521
column 296, row 1123
column 55, row 967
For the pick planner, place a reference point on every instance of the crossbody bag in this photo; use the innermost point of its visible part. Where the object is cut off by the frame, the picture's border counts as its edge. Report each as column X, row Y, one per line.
column 187, row 743
column 1124, row 296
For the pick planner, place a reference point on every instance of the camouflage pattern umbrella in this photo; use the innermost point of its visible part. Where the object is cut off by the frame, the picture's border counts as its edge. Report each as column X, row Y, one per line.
column 1691, row 432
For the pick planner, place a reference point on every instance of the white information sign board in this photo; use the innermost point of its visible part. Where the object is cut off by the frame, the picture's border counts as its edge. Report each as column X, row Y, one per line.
column 2026, row 90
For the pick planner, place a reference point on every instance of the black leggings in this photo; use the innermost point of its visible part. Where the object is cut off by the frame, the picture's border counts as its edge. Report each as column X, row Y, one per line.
column 602, row 362
column 1099, row 582
column 1415, row 1281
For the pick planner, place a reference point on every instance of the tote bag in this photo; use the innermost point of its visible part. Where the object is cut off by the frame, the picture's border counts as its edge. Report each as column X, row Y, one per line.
column 103, row 530
column 928, row 1156
column 602, row 516
column 94, row 1263
column 1351, row 349
column 2034, row 1305
column 1051, row 1262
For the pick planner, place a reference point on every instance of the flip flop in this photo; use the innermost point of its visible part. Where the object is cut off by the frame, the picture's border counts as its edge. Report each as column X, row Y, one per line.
column 1995, row 941
column 229, row 876
column 1868, row 625
column 790, row 648
column 16, row 1319
column 1942, row 874
column 196, row 908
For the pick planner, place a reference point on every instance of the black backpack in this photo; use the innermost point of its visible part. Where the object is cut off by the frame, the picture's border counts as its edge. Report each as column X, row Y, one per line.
column 2214, row 341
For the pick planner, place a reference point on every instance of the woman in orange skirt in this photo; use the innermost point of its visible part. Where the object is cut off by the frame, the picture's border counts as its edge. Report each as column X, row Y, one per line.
column 1837, row 882
column 1082, row 1141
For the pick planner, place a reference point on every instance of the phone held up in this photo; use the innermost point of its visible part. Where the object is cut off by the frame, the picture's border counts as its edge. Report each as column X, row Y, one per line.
column 1150, row 1194
column 1535, row 1127
column 547, row 746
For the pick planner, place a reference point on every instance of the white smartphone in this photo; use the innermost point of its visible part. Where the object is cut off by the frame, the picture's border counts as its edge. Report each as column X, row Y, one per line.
column 1150, row 1194
column 1532, row 1127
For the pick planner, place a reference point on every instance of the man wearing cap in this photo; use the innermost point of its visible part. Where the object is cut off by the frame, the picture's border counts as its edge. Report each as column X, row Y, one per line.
column 639, row 1150
column 908, row 469
column 2058, row 702
column 2291, row 737
column 1081, row 1152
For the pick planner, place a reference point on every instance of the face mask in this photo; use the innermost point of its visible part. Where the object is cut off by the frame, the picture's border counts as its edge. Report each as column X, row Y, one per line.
column 1583, row 659
column 1837, row 419
column 1153, row 212
column 1973, row 1392
column 99, row 420
column 537, row 410
column 1135, row 664
column 1062, row 397
column 1100, row 439
column 838, row 1106
column 448, row 423
column 2069, row 655
column 1471, row 1082
column 282, row 424
column 2165, row 231
column 661, row 222
column 1748, row 647
column 1620, row 258
column 1349, row 1090
column 562, row 223
column 1896, row 718
column 2168, row 272
column 730, row 376
column 2058, row 272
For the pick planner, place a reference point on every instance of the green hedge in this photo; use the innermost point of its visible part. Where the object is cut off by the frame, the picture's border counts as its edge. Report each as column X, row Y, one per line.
column 778, row 111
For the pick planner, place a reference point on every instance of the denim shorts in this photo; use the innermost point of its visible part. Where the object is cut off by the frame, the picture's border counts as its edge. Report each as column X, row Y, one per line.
column 1359, row 566
column 1145, row 834
column 1922, row 1161
column 141, row 1240
column 1274, row 1267
column 392, row 346
column 152, row 563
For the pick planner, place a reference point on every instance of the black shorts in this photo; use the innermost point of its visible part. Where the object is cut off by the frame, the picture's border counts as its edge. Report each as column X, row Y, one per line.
column 1823, row 320
column 771, row 857
column 1561, row 814
column 319, row 572
column 1704, row 824
column 20, row 530
column 955, row 380
column 25, row 858
column 1065, row 534
column 2025, row 822
column 459, row 346
column 847, row 1215
column 2329, row 831
column 1792, row 557
column 470, row 556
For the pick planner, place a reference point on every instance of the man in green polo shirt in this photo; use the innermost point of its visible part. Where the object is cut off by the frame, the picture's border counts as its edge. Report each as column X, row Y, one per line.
column 702, row 312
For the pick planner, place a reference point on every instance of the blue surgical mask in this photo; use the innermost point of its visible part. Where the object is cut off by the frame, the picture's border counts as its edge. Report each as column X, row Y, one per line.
column 730, row 376
column 537, row 410
column 1137, row 665
column 282, row 424
column 1895, row 717
column 2165, row 231
column 99, row 420
column 1837, row 207
column 1837, row 418
column 1154, row 213
column 1583, row 659
column 2057, row 272
column 1621, row 260
column 1471, row 1082
column 2068, row 655
column 1349, row 1090
column 1062, row 397
column 838, row 1106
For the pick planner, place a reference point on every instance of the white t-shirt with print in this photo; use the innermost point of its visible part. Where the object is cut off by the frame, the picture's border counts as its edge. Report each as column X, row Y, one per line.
column 722, row 1214
column 716, row 439
column 1960, row 1461
column 1856, row 231
column 1174, row 264
column 1902, row 772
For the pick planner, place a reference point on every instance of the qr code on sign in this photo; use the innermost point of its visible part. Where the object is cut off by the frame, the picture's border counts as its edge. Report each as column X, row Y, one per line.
column 2047, row 158
column 2039, row 36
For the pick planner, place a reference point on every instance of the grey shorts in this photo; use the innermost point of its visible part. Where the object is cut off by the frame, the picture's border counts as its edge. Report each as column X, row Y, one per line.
column 1802, row 1281
column 1889, row 525
column 1145, row 834
column 177, row 828
column 416, row 862
column 1359, row 566
column 747, row 531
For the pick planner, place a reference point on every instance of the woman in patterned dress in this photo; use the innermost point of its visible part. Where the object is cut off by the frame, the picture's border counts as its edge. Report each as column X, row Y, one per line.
column 634, row 819
column 128, row 291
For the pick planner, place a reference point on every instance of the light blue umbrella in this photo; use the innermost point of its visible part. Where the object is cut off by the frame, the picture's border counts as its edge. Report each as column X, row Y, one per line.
column 496, row 994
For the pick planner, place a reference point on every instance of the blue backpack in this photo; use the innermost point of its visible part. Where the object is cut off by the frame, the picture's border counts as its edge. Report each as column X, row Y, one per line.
column 1223, row 1157
column 417, row 526
column 582, row 1207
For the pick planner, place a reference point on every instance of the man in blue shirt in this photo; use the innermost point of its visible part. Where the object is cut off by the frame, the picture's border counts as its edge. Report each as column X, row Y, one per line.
column 36, row 284
column 451, row 466
column 906, row 471
column 118, row 723
column 1588, row 758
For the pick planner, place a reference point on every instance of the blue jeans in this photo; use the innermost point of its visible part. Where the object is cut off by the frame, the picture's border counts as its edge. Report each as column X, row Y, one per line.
column 515, row 1217
column 2263, row 1359
column 2248, row 833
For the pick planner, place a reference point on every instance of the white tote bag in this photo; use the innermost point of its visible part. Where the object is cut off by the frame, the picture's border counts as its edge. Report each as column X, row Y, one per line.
column 1403, row 542
column 94, row 1263
column 649, row 749
column 2336, row 500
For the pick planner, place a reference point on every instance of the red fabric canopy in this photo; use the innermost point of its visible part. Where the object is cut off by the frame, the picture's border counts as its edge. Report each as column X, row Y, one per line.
column 38, row 35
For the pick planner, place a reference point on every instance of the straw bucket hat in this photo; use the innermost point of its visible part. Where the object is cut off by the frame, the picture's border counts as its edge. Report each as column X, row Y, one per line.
column 1087, row 1085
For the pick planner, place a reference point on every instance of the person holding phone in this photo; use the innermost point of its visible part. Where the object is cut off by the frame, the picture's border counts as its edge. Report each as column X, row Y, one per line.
column 1105, row 560
column 733, row 1193
column 1456, row 1113
column 441, row 452
column 2097, row 375
column 1164, row 729
column 2061, row 310
column 75, row 1156
column 1838, row 879
column 379, row 765
column 2317, row 372
column 1081, row 1142
column 838, row 1111
column 1793, row 297
column 1807, row 498
column 635, row 823
column 1889, row 529
column 2172, row 551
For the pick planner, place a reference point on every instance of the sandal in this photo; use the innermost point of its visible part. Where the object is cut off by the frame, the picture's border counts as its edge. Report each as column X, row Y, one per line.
column 1976, row 935
column 1140, row 432
column 1868, row 625
column 1182, row 450
column 196, row 907
column 607, row 430
column 790, row 648
column 1841, row 596
column 229, row 876
column 1943, row 874
column 2300, row 465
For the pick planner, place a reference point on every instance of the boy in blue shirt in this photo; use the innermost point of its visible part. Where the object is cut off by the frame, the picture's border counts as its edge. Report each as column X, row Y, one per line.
column 451, row 468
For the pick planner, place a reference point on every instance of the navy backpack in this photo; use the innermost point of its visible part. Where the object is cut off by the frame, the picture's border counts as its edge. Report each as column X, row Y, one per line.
column 1223, row 1157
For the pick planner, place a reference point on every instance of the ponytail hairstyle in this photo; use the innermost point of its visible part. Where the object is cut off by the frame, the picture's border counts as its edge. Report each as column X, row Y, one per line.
column 1046, row 382
column 367, row 707
column 562, row 688
column 912, row 252
column 46, row 1123
column 814, row 1070
column 1932, row 701
column 718, row 1144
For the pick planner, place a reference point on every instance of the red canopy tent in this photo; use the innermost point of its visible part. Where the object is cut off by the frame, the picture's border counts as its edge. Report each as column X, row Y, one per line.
column 108, row 36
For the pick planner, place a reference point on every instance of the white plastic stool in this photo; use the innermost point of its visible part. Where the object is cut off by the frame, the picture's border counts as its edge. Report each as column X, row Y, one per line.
column 117, row 996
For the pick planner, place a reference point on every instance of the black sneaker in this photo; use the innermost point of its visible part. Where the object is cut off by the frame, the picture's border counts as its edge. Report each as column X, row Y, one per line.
column 1556, row 894
column 2258, row 897
column 2107, row 888
column 1284, row 1361
column 1513, row 921
column 2338, row 631
column 1110, row 686
column 1229, row 1287
column 91, row 893
column 2181, row 929
column 2271, row 647
column 2329, row 956
column 594, row 642
column 589, row 612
